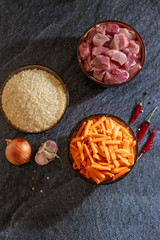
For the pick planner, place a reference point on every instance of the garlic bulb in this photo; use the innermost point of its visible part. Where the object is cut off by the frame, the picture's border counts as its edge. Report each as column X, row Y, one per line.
column 46, row 152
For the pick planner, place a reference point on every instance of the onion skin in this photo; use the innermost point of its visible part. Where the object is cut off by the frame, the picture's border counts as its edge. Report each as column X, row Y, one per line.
column 18, row 151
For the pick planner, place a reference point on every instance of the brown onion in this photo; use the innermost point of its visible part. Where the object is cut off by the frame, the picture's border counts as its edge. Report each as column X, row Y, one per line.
column 18, row 151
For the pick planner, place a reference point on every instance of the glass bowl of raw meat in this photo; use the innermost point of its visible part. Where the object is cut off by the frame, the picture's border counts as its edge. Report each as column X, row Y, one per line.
column 102, row 149
column 111, row 53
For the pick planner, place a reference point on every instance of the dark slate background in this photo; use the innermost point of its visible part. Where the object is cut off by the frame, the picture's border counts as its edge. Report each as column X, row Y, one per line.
column 47, row 33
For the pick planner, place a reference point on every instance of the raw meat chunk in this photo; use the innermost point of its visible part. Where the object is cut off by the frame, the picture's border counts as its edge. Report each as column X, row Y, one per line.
column 130, row 35
column 99, row 39
column 99, row 50
column 90, row 35
column 126, row 50
column 117, row 56
column 100, row 64
column 85, row 50
column 87, row 64
column 112, row 28
column 114, row 44
column 139, row 53
column 131, row 60
column 134, row 47
column 99, row 76
column 119, row 42
column 116, row 76
column 114, row 65
column 101, row 29
column 134, row 69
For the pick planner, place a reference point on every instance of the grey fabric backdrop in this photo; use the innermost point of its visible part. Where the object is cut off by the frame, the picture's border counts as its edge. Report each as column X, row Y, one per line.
column 47, row 33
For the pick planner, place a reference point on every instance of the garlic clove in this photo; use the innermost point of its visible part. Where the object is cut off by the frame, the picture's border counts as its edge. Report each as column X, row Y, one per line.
column 48, row 155
column 40, row 158
column 50, row 146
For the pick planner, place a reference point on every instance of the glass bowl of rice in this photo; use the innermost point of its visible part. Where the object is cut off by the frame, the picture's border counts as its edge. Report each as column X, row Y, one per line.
column 33, row 98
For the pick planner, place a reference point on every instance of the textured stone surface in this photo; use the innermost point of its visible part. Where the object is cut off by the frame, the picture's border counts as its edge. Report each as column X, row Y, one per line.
column 47, row 33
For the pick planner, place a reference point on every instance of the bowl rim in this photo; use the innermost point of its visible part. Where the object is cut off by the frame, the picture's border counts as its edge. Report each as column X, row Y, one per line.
column 38, row 67
column 143, row 51
column 77, row 126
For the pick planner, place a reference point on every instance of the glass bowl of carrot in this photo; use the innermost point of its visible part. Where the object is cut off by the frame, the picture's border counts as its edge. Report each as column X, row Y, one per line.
column 102, row 149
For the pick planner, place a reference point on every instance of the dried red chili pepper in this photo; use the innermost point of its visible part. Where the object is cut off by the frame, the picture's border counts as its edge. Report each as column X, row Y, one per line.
column 136, row 113
column 145, row 126
column 142, row 130
column 138, row 109
column 148, row 144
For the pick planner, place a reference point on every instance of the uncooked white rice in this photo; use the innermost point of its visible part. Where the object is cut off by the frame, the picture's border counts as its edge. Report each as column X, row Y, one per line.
column 33, row 100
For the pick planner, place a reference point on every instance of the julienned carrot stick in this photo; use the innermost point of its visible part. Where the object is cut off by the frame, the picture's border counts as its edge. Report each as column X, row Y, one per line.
column 126, row 145
column 103, row 127
column 95, row 178
column 116, row 163
column 115, row 131
column 124, row 160
column 112, row 142
column 77, row 139
column 102, row 149
column 119, row 136
column 93, row 146
column 115, row 147
column 108, row 125
column 111, row 123
column 81, row 150
column 81, row 129
column 117, row 170
column 123, row 151
column 108, row 173
column 88, row 152
column 99, row 167
column 98, row 122
column 94, row 130
column 112, row 152
column 106, row 141
column 75, row 154
column 73, row 147
column 110, row 165
column 132, row 144
column 125, row 130
column 98, row 157
column 106, row 151
column 96, row 135
column 86, row 130
column 100, row 139
column 98, row 174
column 131, row 158
column 120, row 173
